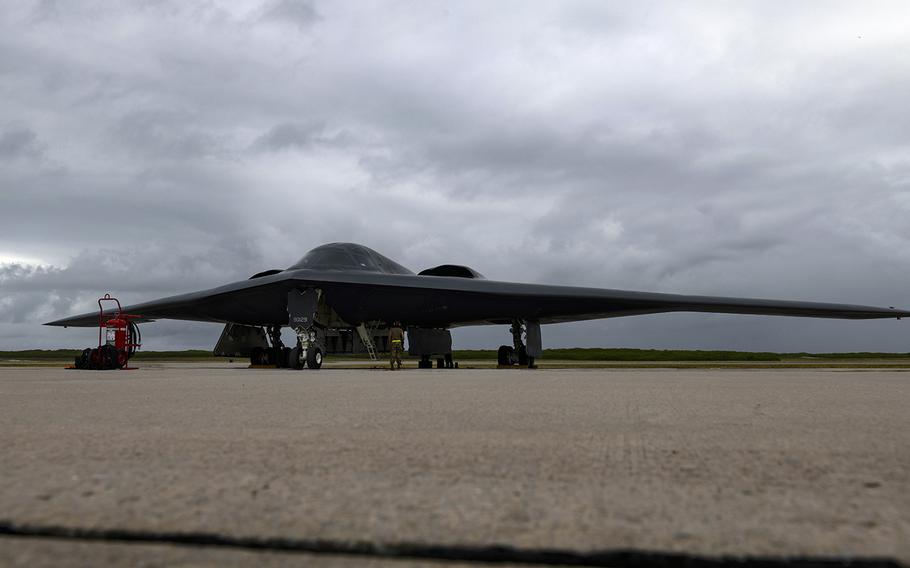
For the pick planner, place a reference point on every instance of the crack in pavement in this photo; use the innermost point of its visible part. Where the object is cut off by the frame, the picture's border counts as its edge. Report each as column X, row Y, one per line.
column 619, row 558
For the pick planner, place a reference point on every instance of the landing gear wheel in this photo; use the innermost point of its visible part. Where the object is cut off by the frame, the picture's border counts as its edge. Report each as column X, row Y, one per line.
column 256, row 356
column 314, row 358
column 296, row 359
column 505, row 356
column 523, row 358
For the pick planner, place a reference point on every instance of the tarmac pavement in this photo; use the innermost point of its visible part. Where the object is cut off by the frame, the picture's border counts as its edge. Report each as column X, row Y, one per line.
column 712, row 463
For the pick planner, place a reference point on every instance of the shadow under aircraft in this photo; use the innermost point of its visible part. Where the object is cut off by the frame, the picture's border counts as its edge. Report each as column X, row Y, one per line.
column 342, row 297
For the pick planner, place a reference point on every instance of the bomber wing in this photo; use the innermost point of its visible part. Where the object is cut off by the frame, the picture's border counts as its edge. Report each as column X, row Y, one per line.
column 444, row 301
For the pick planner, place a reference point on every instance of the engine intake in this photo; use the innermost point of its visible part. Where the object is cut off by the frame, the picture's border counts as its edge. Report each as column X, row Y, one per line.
column 266, row 273
column 454, row 270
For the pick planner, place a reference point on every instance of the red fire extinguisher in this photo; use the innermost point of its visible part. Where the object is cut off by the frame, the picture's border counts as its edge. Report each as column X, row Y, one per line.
column 117, row 334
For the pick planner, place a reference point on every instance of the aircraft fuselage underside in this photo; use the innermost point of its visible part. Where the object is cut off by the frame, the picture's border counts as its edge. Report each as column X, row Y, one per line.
column 320, row 328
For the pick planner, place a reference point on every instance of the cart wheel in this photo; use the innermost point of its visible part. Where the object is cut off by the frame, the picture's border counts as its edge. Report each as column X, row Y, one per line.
column 110, row 357
column 84, row 361
column 94, row 359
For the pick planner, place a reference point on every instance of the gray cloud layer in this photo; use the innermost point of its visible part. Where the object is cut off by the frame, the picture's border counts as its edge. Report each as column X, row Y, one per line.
column 154, row 148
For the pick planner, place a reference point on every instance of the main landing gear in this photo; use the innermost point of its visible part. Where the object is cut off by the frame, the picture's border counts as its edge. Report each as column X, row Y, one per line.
column 276, row 355
column 518, row 354
column 444, row 362
column 427, row 342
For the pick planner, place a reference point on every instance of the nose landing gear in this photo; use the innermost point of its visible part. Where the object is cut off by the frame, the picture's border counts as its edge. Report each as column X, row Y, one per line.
column 302, row 310
column 307, row 354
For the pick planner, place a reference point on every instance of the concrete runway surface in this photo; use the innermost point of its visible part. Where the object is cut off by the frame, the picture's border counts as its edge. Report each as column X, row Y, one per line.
column 769, row 463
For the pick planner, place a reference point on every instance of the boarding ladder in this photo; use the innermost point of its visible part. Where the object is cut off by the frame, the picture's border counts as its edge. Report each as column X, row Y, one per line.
column 367, row 339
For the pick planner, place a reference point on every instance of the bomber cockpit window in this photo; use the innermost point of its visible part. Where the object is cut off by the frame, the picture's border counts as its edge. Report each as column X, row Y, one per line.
column 348, row 256
column 328, row 258
column 362, row 259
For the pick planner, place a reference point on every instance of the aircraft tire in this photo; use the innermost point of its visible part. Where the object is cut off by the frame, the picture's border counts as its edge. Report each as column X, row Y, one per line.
column 522, row 358
column 314, row 358
column 506, row 355
column 294, row 360
column 256, row 356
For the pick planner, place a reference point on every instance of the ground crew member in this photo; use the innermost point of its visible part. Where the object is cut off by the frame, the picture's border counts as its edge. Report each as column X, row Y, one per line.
column 396, row 344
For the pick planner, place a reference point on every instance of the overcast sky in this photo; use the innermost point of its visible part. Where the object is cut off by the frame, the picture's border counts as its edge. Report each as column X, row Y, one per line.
column 746, row 149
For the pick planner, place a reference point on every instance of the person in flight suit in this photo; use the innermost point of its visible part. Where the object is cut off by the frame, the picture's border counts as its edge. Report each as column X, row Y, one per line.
column 396, row 344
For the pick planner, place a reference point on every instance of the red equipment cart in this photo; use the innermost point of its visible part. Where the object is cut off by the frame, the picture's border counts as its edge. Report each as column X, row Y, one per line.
column 118, row 339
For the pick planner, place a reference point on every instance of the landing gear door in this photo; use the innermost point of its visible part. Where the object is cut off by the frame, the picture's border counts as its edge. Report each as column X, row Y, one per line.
column 533, row 339
column 239, row 340
column 302, row 306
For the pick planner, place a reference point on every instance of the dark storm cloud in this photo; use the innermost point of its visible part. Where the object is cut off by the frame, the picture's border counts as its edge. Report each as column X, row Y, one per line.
column 155, row 148
column 300, row 13
column 164, row 134
column 18, row 142
column 289, row 135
